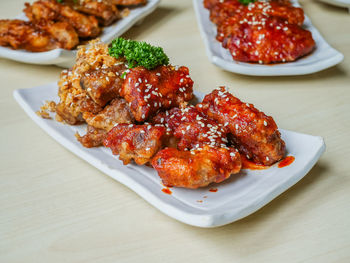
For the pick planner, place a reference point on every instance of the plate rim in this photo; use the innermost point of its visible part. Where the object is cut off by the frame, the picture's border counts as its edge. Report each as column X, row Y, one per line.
column 197, row 217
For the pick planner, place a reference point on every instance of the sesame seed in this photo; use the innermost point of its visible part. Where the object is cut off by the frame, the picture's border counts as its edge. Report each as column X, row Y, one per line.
column 265, row 123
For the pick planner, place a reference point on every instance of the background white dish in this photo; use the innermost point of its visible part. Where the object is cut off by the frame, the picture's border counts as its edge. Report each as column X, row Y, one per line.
column 341, row 3
column 66, row 58
column 236, row 198
column 324, row 56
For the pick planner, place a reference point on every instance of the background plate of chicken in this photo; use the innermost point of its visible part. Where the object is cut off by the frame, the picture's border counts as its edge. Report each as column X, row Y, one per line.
column 49, row 31
column 263, row 38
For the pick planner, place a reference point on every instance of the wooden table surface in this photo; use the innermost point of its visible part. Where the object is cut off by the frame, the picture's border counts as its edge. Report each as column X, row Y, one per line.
column 54, row 207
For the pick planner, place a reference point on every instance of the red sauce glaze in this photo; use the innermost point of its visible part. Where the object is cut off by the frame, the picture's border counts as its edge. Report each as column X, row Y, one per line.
column 247, row 164
column 286, row 161
column 167, row 191
column 214, row 190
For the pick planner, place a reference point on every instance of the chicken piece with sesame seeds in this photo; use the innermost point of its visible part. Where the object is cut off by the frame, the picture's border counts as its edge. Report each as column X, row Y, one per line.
column 264, row 39
column 117, row 111
column 209, row 4
column 253, row 133
column 221, row 11
column 192, row 129
column 103, row 84
column 149, row 91
column 136, row 142
column 197, row 168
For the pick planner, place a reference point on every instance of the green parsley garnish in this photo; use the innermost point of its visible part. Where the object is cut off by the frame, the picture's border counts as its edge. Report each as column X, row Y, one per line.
column 247, row 2
column 138, row 53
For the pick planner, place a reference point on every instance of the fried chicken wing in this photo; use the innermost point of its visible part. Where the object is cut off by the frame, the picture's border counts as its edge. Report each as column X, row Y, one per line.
column 197, row 168
column 264, row 39
column 51, row 10
column 221, row 11
column 93, row 138
column 117, row 111
column 253, row 133
column 135, row 142
column 106, row 13
column 39, row 37
column 209, row 4
column 192, row 129
column 103, row 84
column 149, row 91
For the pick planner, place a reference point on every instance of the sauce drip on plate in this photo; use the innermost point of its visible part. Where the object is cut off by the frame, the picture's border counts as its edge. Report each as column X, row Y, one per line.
column 213, row 190
column 286, row 161
column 167, row 191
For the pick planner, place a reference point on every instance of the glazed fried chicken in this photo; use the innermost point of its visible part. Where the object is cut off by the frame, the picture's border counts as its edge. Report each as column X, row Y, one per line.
column 197, row 168
column 192, row 129
column 149, row 91
column 117, row 111
column 39, row 37
column 135, row 142
column 51, row 10
column 106, row 13
column 264, row 39
column 103, row 84
column 253, row 133
column 209, row 4
column 221, row 11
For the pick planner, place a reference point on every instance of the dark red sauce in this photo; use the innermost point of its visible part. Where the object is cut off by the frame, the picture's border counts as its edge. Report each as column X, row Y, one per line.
column 213, row 190
column 286, row 161
column 247, row 164
column 167, row 191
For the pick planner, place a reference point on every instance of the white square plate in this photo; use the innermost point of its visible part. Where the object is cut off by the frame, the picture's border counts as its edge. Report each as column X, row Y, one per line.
column 324, row 56
column 236, row 198
column 66, row 58
column 341, row 3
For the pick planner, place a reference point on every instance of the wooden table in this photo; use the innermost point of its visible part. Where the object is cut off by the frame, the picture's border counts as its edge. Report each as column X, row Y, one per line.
column 54, row 207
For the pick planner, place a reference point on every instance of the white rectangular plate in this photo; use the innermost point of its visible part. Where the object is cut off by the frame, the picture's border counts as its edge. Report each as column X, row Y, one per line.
column 341, row 3
column 324, row 56
column 66, row 58
column 236, row 198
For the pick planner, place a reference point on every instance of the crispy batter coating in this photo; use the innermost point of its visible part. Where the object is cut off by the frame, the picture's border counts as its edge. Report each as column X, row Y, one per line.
column 253, row 133
column 198, row 168
column 192, row 129
column 105, row 12
column 264, row 39
column 103, row 84
column 221, row 11
column 38, row 37
column 74, row 100
column 117, row 111
column 149, row 91
column 93, row 138
column 51, row 10
column 135, row 142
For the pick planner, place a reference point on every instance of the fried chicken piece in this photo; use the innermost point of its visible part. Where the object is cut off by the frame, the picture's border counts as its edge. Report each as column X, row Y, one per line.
column 51, row 10
column 105, row 12
column 192, row 129
column 93, row 138
column 117, row 111
column 264, row 39
column 103, row 84
column 40, row 37
column 209, row 4
column 149, row 91
column 73, row 100
column 221, row 11
column 197, row 168
column 135, row 142
column 127, row 2
column 253, row 133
